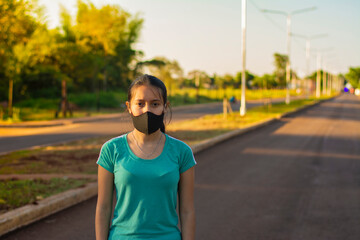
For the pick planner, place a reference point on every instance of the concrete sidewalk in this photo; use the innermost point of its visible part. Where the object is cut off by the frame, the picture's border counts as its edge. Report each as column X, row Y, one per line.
column 28, row 214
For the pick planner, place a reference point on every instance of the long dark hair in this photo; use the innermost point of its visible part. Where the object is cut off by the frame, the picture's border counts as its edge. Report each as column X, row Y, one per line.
column 151, row 81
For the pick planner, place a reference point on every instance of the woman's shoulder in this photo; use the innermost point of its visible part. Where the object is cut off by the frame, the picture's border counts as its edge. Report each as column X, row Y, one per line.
column 177, row 143
column 114, row 142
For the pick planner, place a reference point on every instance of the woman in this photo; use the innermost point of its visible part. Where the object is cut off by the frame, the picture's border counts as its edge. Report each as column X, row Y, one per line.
column 148, row 170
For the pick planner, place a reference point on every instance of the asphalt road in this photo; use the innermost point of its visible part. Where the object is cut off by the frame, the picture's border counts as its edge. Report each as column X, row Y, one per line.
column 28, row 138
column 295, row 179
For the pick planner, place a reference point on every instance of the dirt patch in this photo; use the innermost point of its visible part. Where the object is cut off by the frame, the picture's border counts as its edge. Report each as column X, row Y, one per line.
column 75, row 157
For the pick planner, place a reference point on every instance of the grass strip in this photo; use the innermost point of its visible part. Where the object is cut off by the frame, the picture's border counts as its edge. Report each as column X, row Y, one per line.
column 197, row 130
column 16, row 193
column 73, row 157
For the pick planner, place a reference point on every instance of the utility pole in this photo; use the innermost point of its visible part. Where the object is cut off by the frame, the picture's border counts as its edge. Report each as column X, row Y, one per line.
column 318, row 75
column 288, row 68
column 324, row 80
column 330, row 77
column 288, row 63
column 307, row 81
column 243, row 55
column 308, row 39
column 330, row 82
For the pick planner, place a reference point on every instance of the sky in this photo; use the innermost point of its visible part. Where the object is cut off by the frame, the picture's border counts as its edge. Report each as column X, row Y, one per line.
column 207, row 35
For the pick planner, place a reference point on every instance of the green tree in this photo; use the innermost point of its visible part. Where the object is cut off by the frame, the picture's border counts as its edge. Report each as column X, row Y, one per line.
column 17, row 24
column 280, row 68
column 248, row 76
column 109, row 40
column 266, row 81
column 199, row 79
column 36, row 58
column 169, row 72
column 353, row 76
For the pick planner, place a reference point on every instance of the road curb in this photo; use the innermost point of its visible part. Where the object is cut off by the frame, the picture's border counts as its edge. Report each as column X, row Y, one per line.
column 226, row 136
column 31, row 213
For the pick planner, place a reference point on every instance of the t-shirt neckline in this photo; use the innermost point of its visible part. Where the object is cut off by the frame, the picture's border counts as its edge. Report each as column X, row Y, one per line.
column 142, row 159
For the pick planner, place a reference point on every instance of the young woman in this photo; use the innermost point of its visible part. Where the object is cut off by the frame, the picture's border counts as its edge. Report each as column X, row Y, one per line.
column 149, row 171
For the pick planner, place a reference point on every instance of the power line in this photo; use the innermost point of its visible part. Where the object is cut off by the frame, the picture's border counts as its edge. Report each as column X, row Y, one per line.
column 267, row 17
column 281, row 28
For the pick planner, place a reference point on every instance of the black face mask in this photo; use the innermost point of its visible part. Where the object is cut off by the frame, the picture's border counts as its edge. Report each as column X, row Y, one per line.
column 148, row 122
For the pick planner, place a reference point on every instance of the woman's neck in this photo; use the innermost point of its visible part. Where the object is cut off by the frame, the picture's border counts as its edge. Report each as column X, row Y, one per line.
column 142, row 138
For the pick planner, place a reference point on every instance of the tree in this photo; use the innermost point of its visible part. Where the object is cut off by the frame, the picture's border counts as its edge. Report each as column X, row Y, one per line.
column 199, row 78
column 17, row 23
column 266, row 81
column 248, row 76
column 36, row 61
column 280, row 68
column 353, row 76
column 169, row 72
column 109, row 40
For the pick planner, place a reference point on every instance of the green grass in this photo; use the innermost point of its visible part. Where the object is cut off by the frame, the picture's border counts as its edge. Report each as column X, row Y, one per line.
column 29, row 114
column 17, row 193
column 197, row 130
column 219, row 94
column 114, row 102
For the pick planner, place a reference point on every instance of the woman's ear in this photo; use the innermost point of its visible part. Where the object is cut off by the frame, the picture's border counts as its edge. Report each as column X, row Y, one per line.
column 166, row 106
column 128, row 106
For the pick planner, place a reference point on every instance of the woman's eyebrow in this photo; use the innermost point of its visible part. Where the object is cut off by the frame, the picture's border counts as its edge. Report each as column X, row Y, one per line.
column 152, row 100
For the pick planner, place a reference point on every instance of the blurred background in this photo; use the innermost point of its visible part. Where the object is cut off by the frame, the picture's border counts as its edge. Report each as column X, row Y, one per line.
column 82, row 55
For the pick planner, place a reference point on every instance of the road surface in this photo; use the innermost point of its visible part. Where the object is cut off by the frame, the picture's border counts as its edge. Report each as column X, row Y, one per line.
column 295, row 179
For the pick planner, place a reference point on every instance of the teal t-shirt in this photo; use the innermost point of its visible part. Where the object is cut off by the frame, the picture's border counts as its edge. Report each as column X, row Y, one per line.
column 146, row 190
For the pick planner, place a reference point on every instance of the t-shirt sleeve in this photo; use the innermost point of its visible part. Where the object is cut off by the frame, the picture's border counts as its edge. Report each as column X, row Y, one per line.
column 106, row 157
column 188, row 159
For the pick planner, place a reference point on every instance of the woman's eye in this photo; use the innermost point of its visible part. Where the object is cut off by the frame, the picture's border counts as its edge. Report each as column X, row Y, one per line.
column 156, row 104
column 140, row 104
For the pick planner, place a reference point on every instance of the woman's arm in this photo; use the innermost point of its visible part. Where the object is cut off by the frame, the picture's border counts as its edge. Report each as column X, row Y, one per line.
column 186, row 205
column 104, row 203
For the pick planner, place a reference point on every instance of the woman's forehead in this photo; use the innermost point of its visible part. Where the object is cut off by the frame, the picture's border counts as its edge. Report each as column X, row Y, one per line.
column 148, row 93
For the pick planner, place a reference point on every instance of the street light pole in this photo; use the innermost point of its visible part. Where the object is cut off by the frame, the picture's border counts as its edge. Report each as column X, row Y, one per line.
column 330, row 83
column 243, row 54
column 308, row 38
column 288, row 68
column 307, row 84
column 324, row 80
column 318, row 75
column 288, row 62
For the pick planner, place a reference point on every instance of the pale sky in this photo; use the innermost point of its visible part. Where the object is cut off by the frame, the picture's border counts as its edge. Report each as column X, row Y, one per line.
column 206, row 34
